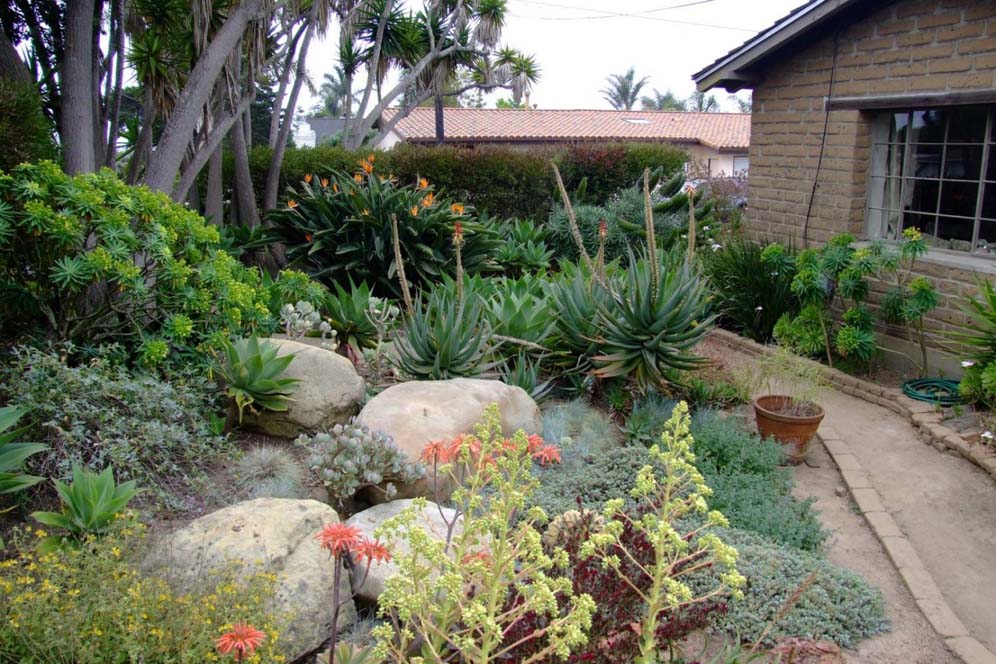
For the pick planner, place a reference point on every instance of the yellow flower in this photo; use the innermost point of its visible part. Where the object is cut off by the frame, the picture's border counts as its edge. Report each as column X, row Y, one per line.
column 429, row 199
column 358, row 177
column 423, row 183
column 456, row 208
column 414, row 210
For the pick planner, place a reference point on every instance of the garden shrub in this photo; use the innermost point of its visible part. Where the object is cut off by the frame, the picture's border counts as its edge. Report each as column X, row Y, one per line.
column 840, row 606
column 610, row 167
column 92, row 260
column 268, row 471
column 152, row 431
column 749, row 293
column 25, row 132
column 90, row 605
column 749, row 486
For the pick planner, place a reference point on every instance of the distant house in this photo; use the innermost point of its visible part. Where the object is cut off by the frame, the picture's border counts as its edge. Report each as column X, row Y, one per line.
column 871, row 116
column 718, row 142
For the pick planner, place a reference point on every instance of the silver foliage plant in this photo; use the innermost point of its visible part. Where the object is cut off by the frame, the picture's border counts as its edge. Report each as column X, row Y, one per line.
column 351, row 457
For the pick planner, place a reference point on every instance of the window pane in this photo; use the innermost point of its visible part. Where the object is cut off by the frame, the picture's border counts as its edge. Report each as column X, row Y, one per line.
column 921, row 195
column 926, row 161
column 963, row 162
column 928, row 127
column 987, row 237
column 924, row 222
column 957, row 231
column 959, row 198
column 968, row 125
column 898, row 126
column 991, row 166
column 989, row 201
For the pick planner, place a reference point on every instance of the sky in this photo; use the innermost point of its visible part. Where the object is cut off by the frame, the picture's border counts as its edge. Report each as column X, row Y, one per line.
column 579, row 43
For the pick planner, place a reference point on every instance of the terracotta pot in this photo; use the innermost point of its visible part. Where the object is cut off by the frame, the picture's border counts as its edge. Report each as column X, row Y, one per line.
column 792, row 431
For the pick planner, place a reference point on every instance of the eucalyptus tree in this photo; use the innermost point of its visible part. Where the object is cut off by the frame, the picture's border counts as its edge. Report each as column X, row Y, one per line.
column 623, row 90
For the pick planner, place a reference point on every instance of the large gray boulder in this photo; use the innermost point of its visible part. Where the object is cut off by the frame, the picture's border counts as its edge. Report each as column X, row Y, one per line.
column 330, row 392
column 433, row 520
column 418, row 412
column 276, row 535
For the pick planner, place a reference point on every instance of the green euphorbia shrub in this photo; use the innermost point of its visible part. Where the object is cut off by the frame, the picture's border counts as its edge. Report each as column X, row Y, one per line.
column 91, row 260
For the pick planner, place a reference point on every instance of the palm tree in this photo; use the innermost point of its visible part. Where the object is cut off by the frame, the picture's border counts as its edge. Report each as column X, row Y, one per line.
column 700, row 103
column 666, row 101
column 334, row 92
column 520, row 70
column 622, row 92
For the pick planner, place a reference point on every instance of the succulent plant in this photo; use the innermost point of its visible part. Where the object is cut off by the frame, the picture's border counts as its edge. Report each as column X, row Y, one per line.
column 563, row 526
column 350, row 457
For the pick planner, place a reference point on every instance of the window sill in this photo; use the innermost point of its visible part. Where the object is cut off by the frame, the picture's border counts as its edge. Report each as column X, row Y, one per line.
column 957, row 260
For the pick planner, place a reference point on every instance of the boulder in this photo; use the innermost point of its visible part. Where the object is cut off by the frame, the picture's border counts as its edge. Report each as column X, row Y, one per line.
column 419, row 412
column 330, row 392
column 429, row 520
column 276, row 535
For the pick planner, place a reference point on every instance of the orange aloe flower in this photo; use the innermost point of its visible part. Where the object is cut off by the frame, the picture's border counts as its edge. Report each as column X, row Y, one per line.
column 372, row 551
column 292, row 204
column 547, row 454
column 242, row 638
column 308, row 177
column 325, row 183
column 423, row 183
column 435, row 451
column 414, row 210
column 457, row 233
column 603, row 229
column 457, row 208
column 536, row 443
column 471, row 443
column 339, row 538
column 429, row 199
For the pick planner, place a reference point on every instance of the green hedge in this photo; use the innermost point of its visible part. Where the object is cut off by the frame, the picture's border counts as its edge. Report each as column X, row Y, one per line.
column 25, row 133
column 500, row 181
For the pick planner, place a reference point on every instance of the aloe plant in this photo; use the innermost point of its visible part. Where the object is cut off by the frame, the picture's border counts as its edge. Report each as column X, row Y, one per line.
column 650, row 325
column 349, row 315
column 13, row 455
column 90, row 504
column 252, row 372
column 520, row 309
column 444, row 338
column 577, row 298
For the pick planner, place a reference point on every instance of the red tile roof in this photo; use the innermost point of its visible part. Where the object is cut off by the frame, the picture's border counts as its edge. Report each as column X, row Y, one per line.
column 721, row 131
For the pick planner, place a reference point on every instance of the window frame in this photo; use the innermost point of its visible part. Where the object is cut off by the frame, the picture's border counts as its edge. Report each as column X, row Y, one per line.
column 880, row 137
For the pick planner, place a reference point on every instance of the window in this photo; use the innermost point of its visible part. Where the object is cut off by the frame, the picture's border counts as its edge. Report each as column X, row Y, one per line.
column 935, row 170
column 741, row 165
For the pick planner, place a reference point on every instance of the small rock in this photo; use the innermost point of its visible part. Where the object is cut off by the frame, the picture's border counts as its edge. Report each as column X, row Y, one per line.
column 840, row 492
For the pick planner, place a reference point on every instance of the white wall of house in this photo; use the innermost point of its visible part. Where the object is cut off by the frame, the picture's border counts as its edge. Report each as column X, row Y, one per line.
column 389, row 141
column 713, row 163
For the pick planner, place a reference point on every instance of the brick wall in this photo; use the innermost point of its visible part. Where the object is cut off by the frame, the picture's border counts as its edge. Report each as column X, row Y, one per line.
column 909, row 46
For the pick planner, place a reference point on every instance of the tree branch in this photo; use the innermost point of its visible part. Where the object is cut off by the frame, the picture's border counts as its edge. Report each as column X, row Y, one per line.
column 204, row 152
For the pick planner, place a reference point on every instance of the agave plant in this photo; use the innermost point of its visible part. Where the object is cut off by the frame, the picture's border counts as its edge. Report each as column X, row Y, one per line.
column 13, row 455
column 650, row 325
column 525, row 248
column 577, row 297
column 525, row 372
column 446, row 338
column 252, row 372
column 349, row 315
column 89, row 505
column 520, row 309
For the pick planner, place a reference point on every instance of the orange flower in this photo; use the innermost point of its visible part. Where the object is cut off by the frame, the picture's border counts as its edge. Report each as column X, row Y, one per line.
column 325, row 183
column 358, row 177
column 429, row 199
column 308, row 237
column 339, row 538
column 482, row 556
column 292, row 204
column 457, row 233
column 308, row 177
column 366, row 212
column 536, row 443
column 367, row 166
column 372, row 551
column 457, row 208
column 462, row 442
column 603, row 229
column 414, row 210
column 335, row 187
column 371, row 157
column 423, row 183
column 547, row 454
column 242, row 638
column 435, row 451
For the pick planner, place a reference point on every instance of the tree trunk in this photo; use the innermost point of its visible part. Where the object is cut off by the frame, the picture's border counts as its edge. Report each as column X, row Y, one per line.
column 165, row 163
column 211, row 144
column 271, row 190
column 117, row 18
column 244, row 196
column 440, row 122
column 144, row 144
column 278, row 101
column 76, row 80
column 214, row 202
column 96, row 97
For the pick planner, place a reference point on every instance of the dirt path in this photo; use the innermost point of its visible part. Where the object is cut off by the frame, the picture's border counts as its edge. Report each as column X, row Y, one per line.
column 853, row 545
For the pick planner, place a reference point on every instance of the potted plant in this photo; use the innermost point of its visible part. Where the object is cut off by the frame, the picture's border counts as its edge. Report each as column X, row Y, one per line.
column 786, row 406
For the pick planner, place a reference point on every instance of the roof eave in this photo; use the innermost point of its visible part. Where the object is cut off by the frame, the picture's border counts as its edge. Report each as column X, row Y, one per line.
column 732, row 71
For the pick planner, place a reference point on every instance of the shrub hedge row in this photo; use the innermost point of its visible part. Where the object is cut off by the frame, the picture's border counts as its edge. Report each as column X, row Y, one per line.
column 500, row 181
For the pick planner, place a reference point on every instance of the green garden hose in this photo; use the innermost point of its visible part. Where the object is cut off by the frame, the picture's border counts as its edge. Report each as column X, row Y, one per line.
column 933, row 390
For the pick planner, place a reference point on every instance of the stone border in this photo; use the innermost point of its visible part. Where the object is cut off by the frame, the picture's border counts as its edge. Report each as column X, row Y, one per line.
column 921, row 584
column 924, row 417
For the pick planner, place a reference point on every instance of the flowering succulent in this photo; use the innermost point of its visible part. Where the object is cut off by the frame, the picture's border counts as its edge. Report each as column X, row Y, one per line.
column 350, row 457
column 242, row 639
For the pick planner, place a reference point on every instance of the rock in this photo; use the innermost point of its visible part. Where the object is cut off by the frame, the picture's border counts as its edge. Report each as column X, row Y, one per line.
column 273, row 534
column 430, row 521
column 807, row 651
column 330, row 391
column 419, row 412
